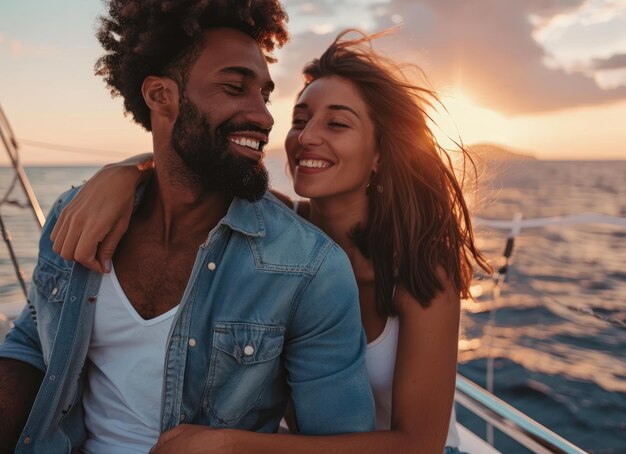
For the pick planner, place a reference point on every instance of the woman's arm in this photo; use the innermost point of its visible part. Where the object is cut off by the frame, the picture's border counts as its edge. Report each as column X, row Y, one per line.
column 423, row 392
column 91, row 226
column 426, row 360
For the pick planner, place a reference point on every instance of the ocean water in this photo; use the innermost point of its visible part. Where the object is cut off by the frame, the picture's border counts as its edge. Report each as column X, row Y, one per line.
column 555, row 362
column 557, row 330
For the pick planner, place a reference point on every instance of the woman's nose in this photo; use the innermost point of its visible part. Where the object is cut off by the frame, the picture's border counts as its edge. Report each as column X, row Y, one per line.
column 309, row 136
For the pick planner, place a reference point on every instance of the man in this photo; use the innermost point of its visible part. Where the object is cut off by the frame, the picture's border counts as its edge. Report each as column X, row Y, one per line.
column 220, row 303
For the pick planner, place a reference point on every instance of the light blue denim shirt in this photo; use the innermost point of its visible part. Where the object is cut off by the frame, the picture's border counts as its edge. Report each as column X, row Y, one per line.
column 264, row 278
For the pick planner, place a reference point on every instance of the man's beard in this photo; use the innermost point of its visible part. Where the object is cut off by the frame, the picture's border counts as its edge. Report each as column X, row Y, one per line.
column 208, row 158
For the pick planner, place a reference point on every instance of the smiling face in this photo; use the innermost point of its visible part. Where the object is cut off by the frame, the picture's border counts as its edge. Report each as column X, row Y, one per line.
column 223, row 123
column 331, row 145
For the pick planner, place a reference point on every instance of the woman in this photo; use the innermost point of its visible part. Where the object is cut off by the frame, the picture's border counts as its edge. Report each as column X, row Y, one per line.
column 379, row 184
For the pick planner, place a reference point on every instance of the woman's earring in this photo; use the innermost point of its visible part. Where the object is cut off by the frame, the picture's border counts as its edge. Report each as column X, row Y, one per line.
column 373, row 187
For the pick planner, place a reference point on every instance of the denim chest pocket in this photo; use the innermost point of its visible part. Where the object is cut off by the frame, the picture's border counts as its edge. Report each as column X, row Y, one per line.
column 244, row 356
column 51, row 283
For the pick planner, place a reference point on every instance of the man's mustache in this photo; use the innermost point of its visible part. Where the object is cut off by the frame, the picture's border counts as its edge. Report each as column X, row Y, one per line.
column 230, row 128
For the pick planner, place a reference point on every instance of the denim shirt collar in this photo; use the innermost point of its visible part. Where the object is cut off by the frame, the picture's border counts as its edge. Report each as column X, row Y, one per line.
column 242, row 216
column 245, row 217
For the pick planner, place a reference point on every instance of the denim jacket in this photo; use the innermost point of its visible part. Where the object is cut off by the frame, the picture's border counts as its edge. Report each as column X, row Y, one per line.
column 263, row 279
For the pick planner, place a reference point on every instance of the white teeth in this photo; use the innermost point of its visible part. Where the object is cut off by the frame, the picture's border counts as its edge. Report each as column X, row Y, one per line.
column 313, row 163
column 250, row 143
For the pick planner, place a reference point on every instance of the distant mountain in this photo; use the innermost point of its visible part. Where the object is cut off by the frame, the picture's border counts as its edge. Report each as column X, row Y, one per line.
column 492, row 152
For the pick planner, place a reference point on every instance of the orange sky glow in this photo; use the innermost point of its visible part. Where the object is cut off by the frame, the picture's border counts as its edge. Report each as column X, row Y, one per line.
column 546, row 78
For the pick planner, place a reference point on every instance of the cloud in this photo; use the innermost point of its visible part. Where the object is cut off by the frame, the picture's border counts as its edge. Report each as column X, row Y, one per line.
column 613, row 62
column 550, row 9
column 303, row 48
column 17, row 49
column 486, row 47
column 314, row 8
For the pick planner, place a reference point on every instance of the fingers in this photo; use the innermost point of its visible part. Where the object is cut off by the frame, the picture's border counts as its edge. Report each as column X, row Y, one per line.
column 57, row 226
column 69, row 244
column 62, row 228
column 85, row 222
column 85, row 252
column 58, row 232
column 66, row 230
column 76, row 242
column 108, row 245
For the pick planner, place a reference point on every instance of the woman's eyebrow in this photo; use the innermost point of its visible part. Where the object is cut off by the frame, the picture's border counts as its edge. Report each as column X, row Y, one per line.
column 304, row 105
column 342, row 107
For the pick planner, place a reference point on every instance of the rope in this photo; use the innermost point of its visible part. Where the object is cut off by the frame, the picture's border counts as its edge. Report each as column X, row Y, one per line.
column 70, row 149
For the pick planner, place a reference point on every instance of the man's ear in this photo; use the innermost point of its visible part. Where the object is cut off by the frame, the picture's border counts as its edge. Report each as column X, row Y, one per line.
column 161, row 96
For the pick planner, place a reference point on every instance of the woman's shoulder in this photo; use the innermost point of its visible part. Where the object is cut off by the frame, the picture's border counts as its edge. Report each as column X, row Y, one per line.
column 404, row 302
column 299, row 206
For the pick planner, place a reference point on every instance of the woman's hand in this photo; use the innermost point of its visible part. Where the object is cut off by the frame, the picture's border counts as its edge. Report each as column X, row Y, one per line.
column 191, row 439
column 91, row 226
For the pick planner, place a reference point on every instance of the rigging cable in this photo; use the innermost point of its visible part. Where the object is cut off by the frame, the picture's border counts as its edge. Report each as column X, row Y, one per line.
column 499, row 279
column 13, row 151
column 6, row 236
column 71, row 149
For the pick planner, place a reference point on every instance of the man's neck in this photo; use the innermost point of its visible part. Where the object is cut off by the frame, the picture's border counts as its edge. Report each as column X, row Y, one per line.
column 173, row 209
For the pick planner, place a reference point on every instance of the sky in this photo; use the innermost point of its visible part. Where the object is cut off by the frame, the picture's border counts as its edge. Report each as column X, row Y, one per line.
column 546, row 77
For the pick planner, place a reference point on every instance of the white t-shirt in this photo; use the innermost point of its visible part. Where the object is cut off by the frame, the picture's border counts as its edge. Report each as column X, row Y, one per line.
column 122, row 399
column 381, row 362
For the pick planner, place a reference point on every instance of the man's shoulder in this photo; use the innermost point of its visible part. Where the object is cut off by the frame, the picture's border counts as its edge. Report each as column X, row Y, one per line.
column 279, row 218
column 291, row 239
column 45, row 243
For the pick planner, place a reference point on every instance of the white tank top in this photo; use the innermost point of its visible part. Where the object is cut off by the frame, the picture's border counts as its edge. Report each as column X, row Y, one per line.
column 122, row 399
column 381, row 362
column 380, row 359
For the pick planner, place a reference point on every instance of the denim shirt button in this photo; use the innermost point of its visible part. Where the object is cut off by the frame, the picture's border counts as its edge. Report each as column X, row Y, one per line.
column 211, row 266
column 183, row 416
column 192, row 342
column 27, row 440
column 54, row 291
column 52, row 377
column 248, row 350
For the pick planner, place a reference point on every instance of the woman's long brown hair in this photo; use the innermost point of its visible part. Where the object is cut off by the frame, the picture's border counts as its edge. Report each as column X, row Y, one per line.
column 418, row 221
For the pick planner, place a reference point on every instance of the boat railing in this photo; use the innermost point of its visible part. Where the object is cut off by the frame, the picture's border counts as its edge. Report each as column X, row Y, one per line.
column 515, row 424
column 482, row 402
column 10, row 144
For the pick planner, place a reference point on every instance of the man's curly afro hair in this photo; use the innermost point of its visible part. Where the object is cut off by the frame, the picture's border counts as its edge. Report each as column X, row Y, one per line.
column 162, row 37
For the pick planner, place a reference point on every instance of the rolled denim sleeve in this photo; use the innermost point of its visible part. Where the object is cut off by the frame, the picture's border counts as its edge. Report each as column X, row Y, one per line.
column 325, row 354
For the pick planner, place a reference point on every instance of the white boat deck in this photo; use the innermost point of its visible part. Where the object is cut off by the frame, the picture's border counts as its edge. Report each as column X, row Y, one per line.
column 472, row 443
